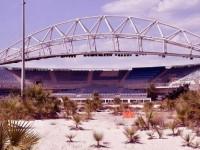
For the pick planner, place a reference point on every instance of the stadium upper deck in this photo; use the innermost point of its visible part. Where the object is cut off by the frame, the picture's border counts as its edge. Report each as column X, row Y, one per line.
column 87, row 81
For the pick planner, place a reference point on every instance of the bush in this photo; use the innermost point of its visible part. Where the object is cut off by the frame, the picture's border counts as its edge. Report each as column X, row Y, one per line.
column 188, row 107
column 69, row 106
column 148, row 107
column 38, row 104
column 96, row 99
column 168, row 105
column 13, row 108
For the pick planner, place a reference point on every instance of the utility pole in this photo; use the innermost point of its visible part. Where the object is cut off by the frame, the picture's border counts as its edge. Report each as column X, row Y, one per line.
column 23, row 51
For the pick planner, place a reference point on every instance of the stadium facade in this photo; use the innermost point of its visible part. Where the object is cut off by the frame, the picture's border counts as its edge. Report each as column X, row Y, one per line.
column 130, row 85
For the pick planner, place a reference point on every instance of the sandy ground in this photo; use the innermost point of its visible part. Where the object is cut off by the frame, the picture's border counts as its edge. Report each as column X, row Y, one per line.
column 53, row 133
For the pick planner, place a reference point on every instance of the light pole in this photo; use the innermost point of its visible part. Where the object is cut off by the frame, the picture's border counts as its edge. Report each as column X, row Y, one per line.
column 23, row 51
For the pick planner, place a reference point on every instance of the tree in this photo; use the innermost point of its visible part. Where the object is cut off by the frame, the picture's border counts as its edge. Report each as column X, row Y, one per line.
column 177, row 92
column 97, row 103
column 152, row 92
column 117, row 101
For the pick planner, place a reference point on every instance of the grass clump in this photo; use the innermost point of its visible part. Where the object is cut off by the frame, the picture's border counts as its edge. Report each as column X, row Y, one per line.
column 77, row 121
column 70, row 137
column 131, row 135
column 98, row 137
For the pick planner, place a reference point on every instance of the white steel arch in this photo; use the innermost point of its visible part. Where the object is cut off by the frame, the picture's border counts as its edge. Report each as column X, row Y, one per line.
column 105, row 36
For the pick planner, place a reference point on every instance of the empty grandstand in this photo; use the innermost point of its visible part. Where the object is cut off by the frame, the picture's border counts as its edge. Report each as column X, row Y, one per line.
column 130, row 85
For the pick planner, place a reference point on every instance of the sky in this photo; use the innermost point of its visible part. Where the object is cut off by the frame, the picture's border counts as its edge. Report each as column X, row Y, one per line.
column 42, row 13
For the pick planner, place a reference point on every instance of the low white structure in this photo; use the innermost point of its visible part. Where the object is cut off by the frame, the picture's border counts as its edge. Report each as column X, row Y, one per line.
column 108, row 98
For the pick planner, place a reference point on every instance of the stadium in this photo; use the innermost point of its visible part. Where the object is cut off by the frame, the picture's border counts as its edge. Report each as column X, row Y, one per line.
column 115, row 81
column 122, row 36
column 130, row 85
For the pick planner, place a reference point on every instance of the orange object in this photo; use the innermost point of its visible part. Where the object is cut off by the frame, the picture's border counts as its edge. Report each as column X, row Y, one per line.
column 128, row 114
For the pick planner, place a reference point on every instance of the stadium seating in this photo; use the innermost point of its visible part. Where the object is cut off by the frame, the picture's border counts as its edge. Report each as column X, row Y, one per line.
column 34, row 75
column 109, row 75
column 8, row 79
column 175, row 73
column 63, row 76
column 6, row 76
column 85, row 82
column 144, row 74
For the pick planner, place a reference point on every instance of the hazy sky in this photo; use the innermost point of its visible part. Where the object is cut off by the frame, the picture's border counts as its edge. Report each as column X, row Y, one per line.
column 42, row 13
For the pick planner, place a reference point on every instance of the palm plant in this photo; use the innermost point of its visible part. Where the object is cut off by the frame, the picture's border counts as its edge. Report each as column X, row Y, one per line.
column 131, row 135
column 17, row 135
column 3, row 136
column 98, row 137
column 141, row 124
column 77, row 121
column 149, row 117
column 145, row 124
column 20, row 135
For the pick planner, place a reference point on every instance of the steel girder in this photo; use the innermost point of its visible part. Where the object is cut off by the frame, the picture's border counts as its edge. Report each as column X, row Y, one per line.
column 105, row 36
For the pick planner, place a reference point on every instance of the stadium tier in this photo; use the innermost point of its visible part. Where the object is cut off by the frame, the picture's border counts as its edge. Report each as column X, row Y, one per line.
column 131, row 81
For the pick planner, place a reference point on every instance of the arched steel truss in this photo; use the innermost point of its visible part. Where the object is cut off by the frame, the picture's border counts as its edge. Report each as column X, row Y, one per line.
column 105, row 36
